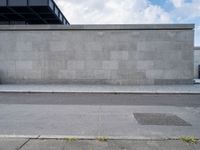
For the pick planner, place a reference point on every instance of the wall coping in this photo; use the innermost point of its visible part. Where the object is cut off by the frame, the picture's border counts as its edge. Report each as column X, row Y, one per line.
column 100, row 27
column 197, row 48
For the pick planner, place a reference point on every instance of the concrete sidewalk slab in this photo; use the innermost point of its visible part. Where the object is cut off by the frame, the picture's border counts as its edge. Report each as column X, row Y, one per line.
column 56, row 144
column 167, row 89
column 12, row 143
column 109, row 145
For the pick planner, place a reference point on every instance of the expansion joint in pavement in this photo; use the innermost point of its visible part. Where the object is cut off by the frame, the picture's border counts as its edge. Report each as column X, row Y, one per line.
column 24, row 144
column 27, row 142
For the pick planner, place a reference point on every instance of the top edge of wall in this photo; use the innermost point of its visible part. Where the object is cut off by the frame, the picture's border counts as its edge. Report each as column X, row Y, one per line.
column 101, row 27
column 197, row 48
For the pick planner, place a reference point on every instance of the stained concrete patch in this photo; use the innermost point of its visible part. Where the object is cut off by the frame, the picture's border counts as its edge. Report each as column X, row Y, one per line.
column 160, row 119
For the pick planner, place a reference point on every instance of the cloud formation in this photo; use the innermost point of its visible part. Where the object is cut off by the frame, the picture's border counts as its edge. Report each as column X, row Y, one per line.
column 131, row 12
column 177, row 3
column 197, row 36
column 113, row 11
column 186, row 11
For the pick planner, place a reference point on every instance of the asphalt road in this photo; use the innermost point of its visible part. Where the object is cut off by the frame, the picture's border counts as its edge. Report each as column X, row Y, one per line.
column 190, row 100
column 93, row 115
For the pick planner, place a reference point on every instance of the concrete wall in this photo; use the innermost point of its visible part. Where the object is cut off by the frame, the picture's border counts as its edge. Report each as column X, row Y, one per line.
column 97, row 54
column 196, row 61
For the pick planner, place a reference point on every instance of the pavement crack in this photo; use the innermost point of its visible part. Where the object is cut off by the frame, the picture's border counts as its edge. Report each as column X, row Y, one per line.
column 24, row 144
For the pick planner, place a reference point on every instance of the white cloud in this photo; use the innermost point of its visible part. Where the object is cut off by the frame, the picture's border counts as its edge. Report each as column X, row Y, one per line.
column 177, row 3
column 187, row 10
column 197, row 36
column 112, row 11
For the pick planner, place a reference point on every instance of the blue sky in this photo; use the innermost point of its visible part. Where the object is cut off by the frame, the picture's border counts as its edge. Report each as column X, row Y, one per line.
column 132, row 12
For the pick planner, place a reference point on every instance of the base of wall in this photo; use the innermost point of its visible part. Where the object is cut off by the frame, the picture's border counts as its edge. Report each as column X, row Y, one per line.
column 100, row 82
column 173, row 81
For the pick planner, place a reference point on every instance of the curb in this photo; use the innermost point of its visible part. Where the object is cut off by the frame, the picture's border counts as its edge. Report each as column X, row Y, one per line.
column 101, row 89
column 67, row 137
column 106, row 92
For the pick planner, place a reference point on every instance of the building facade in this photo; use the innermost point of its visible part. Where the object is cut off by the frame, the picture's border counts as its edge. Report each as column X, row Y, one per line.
column 196, row 61
column 31, row 12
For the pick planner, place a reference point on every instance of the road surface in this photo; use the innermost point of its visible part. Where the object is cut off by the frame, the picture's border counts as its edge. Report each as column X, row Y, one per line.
column 191, row 100
column 93, row 115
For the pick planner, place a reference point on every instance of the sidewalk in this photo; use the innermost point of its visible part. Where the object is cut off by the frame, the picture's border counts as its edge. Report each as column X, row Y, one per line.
column 166, row 89
column 67, row 144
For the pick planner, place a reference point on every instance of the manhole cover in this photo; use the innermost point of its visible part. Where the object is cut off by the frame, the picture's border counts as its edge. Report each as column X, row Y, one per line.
column 159, row 119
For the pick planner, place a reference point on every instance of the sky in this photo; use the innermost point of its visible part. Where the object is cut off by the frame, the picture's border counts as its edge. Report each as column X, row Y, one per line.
column 132, row 12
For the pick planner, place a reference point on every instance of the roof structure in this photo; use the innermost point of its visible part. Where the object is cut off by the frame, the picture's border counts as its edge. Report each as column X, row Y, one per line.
column 30, row 12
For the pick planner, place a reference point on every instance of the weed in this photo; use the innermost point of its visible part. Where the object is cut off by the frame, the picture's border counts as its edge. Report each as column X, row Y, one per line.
column 189, row 139
column 70, row 139
column 102, row 139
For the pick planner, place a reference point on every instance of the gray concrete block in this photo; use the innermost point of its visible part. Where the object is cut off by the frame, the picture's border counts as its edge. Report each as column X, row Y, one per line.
column 23, row 46
column 145, row 65
column 25, row 75
column 187, row 36
column 75, row 65
column 82, row 55
column 24, row 65
column 127, row 65
column 93, row 64
column 25, row 55
column 55, row 65
column 56, row 46
column 102, row 74
column 119, row 55
column 154, row 74
column 100, row 55
column 145, row 55
column 110, row 65
column 66, row 74
column 146, row 46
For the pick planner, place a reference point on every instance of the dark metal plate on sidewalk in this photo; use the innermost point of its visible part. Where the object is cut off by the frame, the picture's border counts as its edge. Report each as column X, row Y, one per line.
column 160, row 119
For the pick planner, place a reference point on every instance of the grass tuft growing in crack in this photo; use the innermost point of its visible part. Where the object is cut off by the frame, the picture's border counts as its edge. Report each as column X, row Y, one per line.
column 102, row 139
column 189, row 139
column 70, row 139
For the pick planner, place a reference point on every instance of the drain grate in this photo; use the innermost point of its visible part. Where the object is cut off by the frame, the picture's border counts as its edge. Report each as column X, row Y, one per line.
column 160, row 119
